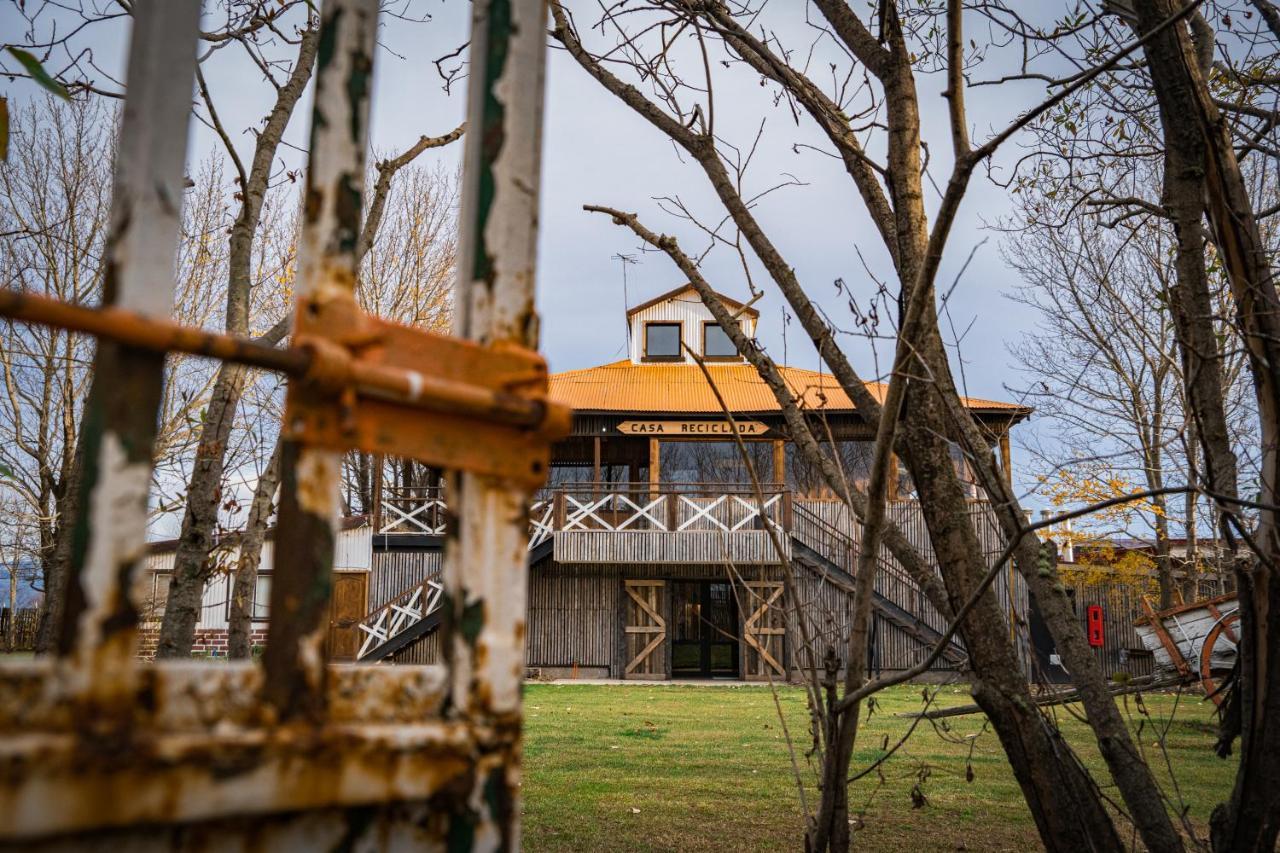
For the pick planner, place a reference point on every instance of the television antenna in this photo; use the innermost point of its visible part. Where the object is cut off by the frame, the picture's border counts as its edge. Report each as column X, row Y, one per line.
column 625, row 261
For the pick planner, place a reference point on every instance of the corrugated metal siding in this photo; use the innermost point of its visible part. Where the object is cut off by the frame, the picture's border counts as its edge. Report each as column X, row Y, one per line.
column 671, row 389
column 353, row 552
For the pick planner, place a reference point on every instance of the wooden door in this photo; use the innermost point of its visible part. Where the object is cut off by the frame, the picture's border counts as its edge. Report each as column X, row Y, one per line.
column 763, row 630
column 646, row 629
column 347, row 607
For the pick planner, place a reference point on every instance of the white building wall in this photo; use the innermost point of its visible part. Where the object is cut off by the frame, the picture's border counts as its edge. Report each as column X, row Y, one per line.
column 685, row 308
column 353, row 551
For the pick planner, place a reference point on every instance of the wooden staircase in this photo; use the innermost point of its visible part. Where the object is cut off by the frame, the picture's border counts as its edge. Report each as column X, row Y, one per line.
column 827, row 550
column 415, row 613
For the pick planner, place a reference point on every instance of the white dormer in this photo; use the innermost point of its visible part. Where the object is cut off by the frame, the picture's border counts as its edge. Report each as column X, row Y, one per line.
column 662, row 327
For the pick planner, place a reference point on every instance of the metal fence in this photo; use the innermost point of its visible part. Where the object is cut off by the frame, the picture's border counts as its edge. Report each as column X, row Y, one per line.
column 97, row 748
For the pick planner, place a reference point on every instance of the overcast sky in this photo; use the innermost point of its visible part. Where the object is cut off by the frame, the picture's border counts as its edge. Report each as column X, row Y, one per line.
column 598, row 151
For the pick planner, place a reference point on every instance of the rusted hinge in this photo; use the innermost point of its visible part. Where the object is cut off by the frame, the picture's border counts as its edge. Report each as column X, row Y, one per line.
column 364, row 383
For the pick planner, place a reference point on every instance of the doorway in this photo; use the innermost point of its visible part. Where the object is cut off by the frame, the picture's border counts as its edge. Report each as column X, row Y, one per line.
column 705, row 637
column 347, row 606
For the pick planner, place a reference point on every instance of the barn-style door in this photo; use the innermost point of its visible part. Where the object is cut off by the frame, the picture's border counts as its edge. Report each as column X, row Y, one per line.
column 646, row 629
column 763, row 630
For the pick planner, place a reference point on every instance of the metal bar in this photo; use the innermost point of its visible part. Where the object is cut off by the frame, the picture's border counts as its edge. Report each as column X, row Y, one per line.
column 484, row 570
column 98, row 631
column 335, row 366
column 140, row 331
column 294, row 660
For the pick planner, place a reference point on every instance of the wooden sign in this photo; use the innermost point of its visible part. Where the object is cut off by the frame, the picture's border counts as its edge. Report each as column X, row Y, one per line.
column 692, row 429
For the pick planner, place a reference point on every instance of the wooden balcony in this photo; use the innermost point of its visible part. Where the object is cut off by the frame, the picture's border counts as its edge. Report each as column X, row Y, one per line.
column 628, row 522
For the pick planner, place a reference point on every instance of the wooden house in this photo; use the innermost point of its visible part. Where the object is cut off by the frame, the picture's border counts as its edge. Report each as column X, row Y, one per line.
column 654, row 547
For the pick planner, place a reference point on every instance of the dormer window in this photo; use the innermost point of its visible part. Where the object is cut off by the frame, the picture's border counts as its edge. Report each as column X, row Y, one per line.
column 662, row 342
column 716, row 343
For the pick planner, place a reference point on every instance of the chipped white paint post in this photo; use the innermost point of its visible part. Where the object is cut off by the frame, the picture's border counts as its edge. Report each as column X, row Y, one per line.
column 485, row 559
column 326, row 313
column 97, row 638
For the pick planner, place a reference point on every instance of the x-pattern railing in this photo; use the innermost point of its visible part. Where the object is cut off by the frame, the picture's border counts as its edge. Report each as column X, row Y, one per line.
column 413, row 511
column 729, row 506
column 541, row 522
column 398, row 615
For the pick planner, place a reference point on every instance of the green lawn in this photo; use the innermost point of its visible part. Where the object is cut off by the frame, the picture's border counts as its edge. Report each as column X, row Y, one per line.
column 639, row 767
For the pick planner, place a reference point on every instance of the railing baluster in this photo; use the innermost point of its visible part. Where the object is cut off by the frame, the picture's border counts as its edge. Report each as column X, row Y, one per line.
column 99, row 623
column 309, row 502
column 484, row 569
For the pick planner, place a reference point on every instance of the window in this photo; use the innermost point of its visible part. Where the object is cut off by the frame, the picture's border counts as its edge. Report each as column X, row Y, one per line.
column 159, row 596
column 260, row 606
column 716, row 343
column 662, row 341
column 713, row 462
column 261, row 597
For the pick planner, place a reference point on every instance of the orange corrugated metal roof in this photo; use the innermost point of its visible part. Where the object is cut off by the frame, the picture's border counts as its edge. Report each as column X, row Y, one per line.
column 624, row 386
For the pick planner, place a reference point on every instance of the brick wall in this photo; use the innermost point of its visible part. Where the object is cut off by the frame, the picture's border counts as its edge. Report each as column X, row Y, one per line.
column 209, row 642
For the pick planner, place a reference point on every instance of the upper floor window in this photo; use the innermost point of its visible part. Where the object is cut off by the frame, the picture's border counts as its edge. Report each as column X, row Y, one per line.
column 662, row 341
column 716, row 343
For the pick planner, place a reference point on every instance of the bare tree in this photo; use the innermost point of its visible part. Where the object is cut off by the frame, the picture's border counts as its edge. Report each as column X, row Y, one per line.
column 931, row 420
column 204, row 489
column 55, row 190
column 1205, row 181
column 1104, row 362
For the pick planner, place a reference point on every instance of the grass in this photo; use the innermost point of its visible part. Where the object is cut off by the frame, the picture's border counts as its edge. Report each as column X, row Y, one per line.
column 640, row 767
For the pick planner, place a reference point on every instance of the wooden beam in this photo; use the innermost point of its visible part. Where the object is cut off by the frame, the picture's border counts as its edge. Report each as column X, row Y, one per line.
column 655, row 468
column 595, row 463
column 1006, row 458
column 893, row 477
column 779, row 461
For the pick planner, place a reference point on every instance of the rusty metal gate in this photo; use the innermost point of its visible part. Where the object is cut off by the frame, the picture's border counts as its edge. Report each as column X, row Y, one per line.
column 100, row 750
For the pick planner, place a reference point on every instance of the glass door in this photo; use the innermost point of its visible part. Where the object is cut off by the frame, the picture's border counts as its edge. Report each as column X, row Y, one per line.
column 705, row 631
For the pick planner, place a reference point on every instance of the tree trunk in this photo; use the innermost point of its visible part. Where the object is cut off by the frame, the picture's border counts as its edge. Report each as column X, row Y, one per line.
column 1193, row 128
column 1164, row 559
column 56, row 564
column 191, row 564
column 246, row 574
column 1061, row 796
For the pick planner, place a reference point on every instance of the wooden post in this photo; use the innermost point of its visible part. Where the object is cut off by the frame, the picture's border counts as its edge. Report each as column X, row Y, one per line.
column 484, row 573
column 893, row 477
column 310, row 476
column 98, row 628
column 655, row 464
column 376, row 511
column 595, row 465
column 779, row 462
column 1006, row 459
column 558, row 503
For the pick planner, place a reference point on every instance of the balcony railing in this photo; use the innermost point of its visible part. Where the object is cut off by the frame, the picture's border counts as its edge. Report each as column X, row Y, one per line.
column 664, row 507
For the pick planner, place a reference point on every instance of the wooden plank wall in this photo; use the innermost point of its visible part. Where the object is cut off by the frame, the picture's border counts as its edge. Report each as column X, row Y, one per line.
column 576, row 612
column 827, row 608
column 392, row 573
column 395, row 571
column 645, row 546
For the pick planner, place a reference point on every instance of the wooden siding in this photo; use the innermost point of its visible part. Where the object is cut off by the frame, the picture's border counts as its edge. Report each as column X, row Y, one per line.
column 687, row 310
column 649, row 546
column 395, row 571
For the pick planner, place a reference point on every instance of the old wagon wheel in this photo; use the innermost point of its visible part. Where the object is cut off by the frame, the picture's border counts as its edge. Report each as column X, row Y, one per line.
column 1222, row 639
